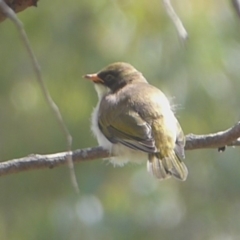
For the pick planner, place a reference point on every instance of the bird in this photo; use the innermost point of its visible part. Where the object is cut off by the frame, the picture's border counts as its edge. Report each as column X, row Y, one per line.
column 135, row 122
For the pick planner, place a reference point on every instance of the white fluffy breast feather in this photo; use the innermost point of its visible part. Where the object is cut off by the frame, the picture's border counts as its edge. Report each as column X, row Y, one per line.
column 123, row 154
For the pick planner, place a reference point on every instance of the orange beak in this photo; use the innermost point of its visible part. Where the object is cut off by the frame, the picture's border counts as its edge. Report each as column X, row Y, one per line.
column 94, row 78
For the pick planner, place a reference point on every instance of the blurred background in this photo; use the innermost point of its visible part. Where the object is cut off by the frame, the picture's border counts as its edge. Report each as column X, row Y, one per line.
column 202, row 80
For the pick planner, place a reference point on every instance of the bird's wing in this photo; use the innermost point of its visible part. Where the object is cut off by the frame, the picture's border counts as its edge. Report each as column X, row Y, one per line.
column 127, row 128
column 180, row 143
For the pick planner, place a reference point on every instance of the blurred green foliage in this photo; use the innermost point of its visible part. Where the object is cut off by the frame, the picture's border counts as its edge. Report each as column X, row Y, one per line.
column 72, row 38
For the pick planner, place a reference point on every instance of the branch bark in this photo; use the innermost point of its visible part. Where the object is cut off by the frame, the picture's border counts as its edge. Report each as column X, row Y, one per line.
column 230, row 137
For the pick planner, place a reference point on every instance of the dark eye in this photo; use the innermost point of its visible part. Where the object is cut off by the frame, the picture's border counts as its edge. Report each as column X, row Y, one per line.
column 109, row 78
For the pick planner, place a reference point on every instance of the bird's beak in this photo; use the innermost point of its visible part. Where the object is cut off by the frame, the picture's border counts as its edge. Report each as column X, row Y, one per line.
column 94, row 78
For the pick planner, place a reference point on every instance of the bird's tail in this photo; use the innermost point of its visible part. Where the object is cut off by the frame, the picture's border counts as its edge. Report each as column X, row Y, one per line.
column 166, row 167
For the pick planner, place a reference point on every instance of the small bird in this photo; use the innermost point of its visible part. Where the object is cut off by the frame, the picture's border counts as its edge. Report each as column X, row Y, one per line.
column 134, row 121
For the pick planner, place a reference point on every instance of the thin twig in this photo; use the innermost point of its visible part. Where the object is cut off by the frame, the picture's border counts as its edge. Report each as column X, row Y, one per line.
column 182, row 33
column 236, row 6
column 230, row 137
column 13, row 17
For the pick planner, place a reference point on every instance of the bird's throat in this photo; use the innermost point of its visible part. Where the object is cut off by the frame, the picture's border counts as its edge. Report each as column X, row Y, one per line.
column 101, row 90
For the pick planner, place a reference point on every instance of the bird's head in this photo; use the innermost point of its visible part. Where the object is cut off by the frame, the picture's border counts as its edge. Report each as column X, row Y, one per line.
column 115, row 76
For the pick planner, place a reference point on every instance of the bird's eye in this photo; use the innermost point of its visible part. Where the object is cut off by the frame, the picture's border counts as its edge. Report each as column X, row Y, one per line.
column 109, row 78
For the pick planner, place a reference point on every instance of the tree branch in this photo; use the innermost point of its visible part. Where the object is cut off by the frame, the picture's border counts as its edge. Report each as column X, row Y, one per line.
column 36, row 161
column 230, row 137
column 17, row 6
